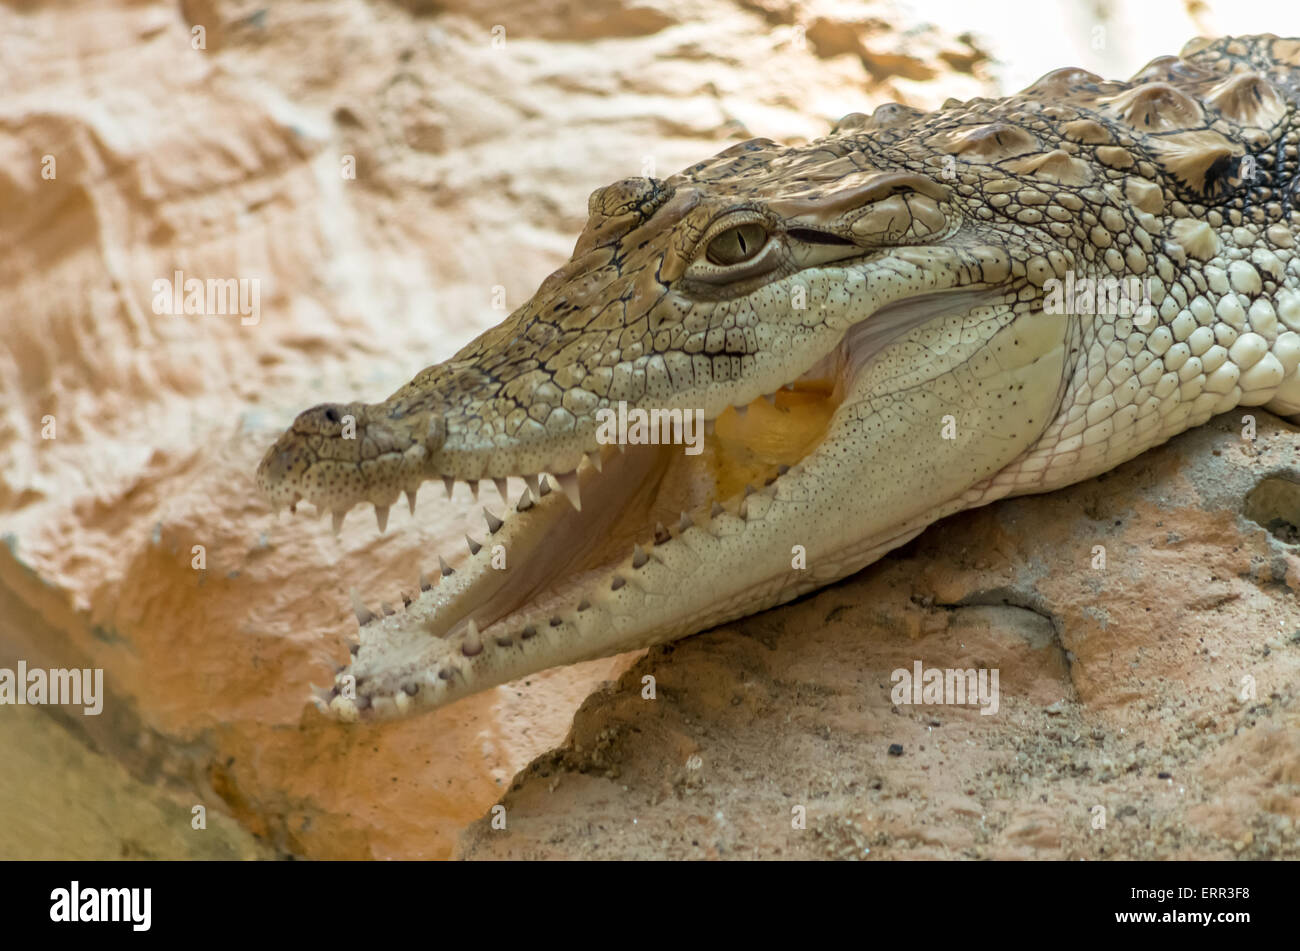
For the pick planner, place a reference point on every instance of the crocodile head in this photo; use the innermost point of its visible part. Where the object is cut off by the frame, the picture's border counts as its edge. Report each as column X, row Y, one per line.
column 858, row 327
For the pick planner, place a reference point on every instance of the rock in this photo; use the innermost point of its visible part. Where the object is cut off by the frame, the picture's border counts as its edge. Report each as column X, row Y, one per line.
column 377, row 174
column 792, row 708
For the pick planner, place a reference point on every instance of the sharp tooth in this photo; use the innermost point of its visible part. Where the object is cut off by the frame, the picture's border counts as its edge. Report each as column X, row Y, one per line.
column 425, row 583
column 525, row 501
column 593, row 459
column 363, row 613
column 386, row 607
column 639, row 557
column 661, row 533
column 684, row 523
column 474, row 547
column 338, row 521
column 410, row 499
column 716, row 510
column 743, row 511
column 569, row 483
column 788, row 386
column 446, row 569
column 473, row 643
column 534, row 483
column 449, row 483
column 493, row 523
column 543, row 486
column 381, row 516
column 741, row 410
column 584, row 604
column 473, row 488
column 503, row 488
column 617, row 583
column 770, row 397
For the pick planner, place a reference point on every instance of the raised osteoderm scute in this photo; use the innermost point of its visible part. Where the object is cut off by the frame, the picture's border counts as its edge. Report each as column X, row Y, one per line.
column 912, row 316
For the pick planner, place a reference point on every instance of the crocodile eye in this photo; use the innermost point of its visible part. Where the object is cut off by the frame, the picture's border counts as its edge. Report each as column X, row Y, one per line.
column 736, row 245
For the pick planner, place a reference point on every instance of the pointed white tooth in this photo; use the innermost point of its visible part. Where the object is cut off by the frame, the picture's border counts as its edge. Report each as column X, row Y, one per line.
column 593, row 458
column 525, row 501
column 381, row 516
column 503, row 488
column 473, row 643
column 338, row 521
column 445, row 568
column 684, row 523
column 449, row 483
column 493, row 523
column 770, row 397
column 473, row 488
column 425, row 583
column 569, row 483
column 741, row 410
column 543, row 486
column 410, row 499
column 474, row 547
column 639, row 557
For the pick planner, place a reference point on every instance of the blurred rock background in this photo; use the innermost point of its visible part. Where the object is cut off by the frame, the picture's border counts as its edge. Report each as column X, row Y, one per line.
column 382, row 167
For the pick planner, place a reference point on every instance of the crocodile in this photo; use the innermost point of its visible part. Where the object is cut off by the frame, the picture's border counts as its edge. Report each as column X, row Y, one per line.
column 914, row 315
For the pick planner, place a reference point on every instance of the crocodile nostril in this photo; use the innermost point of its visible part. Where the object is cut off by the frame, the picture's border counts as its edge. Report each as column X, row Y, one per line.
column 1274, row 504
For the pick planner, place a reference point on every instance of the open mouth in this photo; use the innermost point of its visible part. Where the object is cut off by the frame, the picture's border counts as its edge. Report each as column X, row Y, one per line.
column 567, row 540
column 627, row 499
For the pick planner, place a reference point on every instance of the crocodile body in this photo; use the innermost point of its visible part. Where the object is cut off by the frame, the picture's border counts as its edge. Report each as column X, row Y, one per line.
column 880, row 328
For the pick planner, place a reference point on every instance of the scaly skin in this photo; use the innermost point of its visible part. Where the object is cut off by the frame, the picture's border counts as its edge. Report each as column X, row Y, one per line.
column 898, row 274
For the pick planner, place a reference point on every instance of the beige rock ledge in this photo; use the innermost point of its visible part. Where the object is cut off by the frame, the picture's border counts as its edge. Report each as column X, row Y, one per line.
column 1120, row 689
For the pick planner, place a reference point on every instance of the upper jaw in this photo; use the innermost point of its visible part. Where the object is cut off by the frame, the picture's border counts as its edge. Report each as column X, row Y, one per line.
column 454, row 422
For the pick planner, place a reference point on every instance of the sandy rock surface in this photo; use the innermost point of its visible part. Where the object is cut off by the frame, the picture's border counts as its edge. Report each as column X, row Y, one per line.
column 1123, row 692
column 394, row 176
